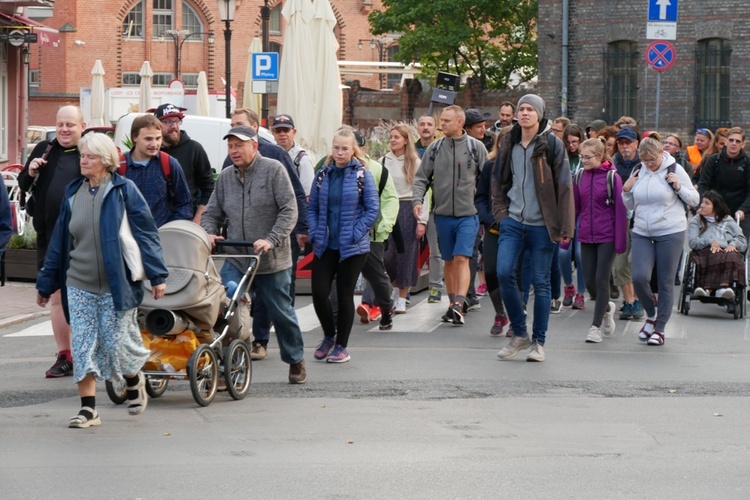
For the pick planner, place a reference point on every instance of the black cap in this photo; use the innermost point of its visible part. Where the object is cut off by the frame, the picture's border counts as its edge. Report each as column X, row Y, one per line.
column 243, row 133
column 474, row 116
column 168, row 110
column 282, row 121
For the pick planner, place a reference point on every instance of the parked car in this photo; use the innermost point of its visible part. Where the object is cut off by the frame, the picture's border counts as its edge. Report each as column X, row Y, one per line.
column 208, row 131
column 36, row 134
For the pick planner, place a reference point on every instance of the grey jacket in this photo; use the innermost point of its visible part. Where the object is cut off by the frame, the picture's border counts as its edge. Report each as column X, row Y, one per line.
column 259, row 206
column 453, row 175
column 725, row 233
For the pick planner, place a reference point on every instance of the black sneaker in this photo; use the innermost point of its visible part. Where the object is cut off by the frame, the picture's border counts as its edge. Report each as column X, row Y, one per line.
column 63, row 367
column 472, row 304
column 386, row 320
column 448, row 316
column 458, row 314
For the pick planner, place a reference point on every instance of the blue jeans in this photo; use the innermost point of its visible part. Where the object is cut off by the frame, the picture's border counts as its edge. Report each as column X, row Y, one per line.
column 566, row 265
column 273, row 290
column 555, row 281
column 516, row 237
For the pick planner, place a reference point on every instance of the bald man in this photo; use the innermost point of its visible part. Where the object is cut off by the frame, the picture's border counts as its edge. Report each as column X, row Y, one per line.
column 49, row 168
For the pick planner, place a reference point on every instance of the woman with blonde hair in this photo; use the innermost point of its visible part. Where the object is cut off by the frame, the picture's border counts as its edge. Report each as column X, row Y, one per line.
column 402, row 162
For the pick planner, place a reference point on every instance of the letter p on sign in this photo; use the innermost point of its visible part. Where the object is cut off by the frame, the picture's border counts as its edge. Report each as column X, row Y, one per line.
column 265, row 66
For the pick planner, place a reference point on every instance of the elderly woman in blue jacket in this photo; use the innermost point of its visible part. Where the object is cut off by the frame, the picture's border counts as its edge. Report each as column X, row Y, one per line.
column 85, row 261
column 342, row 209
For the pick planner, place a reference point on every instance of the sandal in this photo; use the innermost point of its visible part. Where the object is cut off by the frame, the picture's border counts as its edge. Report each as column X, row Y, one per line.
column 82, row 420
column 644, row 334
column 139, row 403
column 657, row 338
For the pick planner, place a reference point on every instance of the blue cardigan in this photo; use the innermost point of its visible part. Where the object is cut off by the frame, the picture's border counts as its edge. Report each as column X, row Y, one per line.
column 125, row 293
column 359, row 211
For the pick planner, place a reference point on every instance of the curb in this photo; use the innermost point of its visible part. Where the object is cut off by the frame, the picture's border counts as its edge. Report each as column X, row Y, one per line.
column 21, row 318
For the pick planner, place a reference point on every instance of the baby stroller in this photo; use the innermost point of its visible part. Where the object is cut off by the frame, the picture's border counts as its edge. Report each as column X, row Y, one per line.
column 195, row 331
column 689, row 285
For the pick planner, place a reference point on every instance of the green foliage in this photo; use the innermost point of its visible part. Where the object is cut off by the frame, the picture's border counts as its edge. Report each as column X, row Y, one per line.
column 489, row 38
column 26, row 240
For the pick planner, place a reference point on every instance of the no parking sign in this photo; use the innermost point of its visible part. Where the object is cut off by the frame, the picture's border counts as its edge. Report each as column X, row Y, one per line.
column 661, row 55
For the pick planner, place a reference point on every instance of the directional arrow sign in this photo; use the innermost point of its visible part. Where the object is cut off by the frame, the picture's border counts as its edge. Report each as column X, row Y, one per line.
column 662, row 11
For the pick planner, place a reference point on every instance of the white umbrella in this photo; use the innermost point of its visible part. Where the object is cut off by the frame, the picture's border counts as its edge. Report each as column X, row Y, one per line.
column 298, row 69
column 97, row 95
column 250, row 100
column 327, row 98
column 203, row 106
column 144, row 95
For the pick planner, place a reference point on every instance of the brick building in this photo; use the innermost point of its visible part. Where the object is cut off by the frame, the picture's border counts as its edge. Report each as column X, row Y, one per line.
column 179, row 38
column 609, row 77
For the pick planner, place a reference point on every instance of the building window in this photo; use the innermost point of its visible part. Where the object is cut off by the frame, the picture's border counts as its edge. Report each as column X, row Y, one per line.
column 622, row 80
column 34, row 78
column 162, row 79
column 131, row 79
column 275, row 47
column 163, row 17
column 132, row 25
column 274, row 24
column 191, row 22
column 712, row 94
column 393, row 79
column 190, row 80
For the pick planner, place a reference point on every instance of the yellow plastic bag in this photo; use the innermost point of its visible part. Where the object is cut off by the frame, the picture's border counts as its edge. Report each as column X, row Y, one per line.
column 169, row 354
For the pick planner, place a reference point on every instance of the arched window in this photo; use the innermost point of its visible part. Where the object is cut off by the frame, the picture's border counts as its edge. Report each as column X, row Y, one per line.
column 274, row 23
column 393, row 78
column 191, row 22
column 132, row 25
column 622, row 79
column 163, row 17
column 712, row 92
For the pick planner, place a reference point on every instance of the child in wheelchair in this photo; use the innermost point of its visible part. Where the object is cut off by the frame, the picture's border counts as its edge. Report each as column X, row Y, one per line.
column 718, row 247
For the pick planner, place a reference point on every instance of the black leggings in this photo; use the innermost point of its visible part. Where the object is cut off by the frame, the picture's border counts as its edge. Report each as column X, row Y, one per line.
column 346, row 272
column 597, row 260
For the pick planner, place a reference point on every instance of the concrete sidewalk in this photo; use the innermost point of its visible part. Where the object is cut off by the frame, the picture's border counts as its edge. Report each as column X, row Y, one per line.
column 18, row 304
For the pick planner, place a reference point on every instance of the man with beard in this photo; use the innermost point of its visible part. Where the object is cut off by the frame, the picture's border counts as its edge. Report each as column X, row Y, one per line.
column 189, row 153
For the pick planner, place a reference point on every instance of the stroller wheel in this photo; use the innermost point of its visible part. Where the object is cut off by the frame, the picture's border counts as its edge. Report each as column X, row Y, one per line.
column 203, row 372
column 238, row 369
column 117, row 391
column 155, row 387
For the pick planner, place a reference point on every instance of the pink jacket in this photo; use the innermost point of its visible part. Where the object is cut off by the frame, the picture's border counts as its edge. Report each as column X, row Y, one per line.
column 599, row 222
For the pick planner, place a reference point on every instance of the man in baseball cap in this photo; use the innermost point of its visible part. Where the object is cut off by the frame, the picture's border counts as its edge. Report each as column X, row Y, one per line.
column 284, row 132
column 476, row 126
column 257, row 201
column 189, row 153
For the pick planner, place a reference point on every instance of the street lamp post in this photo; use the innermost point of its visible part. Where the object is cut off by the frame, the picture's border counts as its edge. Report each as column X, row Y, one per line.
column 265, row 16
column 226, row 14
column 381, row 44
column 175, row 35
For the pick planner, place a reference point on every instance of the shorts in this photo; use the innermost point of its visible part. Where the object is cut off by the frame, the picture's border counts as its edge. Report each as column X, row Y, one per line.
column 621, row 274
column 456, row 235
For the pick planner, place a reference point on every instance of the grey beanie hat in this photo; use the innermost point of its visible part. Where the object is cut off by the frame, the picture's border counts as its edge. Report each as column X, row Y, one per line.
column 536, row 102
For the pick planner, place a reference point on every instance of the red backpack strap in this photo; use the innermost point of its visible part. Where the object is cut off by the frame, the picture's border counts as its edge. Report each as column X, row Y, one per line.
column 165, row 167
column 123, row 165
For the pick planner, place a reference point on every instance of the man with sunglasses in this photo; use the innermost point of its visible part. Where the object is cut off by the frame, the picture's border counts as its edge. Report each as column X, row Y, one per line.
column 189, row 153
column 728, row 173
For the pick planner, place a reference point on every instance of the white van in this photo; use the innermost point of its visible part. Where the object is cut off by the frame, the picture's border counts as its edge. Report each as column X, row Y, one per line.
column 206, row 130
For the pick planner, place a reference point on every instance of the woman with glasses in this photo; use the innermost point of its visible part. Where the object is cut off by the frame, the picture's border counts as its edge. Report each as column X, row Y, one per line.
column 673, row 146
column 602, row 230
column 656, row 191
column 573, row 138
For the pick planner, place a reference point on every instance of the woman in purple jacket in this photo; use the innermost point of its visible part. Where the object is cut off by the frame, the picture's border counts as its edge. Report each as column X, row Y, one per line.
column 602, row 230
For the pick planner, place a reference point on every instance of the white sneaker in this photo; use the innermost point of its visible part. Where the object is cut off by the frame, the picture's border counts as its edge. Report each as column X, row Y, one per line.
column 595, row 335
column 400, row 306
column 536, row 353
column 608, row 322
column 700, row 292
column 725, row 293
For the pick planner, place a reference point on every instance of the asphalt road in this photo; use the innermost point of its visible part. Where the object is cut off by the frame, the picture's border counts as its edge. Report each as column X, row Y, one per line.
column 425, row 411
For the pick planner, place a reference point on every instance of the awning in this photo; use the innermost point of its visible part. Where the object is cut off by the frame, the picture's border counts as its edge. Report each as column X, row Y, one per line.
column 46, row 36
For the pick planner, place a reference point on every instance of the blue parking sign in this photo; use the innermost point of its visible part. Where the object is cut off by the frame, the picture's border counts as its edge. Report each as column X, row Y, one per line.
column 662, row 11
column 265, row 65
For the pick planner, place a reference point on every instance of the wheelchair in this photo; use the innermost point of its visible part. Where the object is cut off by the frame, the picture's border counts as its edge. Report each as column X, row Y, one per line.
column 739, row 301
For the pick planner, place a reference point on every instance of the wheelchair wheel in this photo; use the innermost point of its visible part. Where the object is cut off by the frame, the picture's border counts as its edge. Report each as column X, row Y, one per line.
column 686, row 307
column 155, row 387
column 238, row 369
column 203, row 372
column 117, row 391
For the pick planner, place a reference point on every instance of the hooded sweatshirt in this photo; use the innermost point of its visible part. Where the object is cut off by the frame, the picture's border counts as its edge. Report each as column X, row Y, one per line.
column 726, row 232
column 658, row 207
column 599, row 222
column 730, row 177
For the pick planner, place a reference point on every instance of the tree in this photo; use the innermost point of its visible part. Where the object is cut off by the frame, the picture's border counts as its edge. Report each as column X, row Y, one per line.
column 490, row 39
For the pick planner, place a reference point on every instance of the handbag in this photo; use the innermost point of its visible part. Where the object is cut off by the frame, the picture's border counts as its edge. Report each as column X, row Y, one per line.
column 131, row 252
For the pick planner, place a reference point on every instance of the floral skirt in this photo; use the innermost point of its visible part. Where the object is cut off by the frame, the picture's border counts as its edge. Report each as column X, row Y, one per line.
column 105, row 342
column 712, row 270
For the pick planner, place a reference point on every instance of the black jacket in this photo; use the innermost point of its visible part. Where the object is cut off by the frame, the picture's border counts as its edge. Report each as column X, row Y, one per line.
column 730, row 177
column 194, row 162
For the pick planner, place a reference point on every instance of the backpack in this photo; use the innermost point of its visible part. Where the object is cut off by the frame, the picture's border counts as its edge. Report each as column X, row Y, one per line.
column 360, row 179
column 610, row 184
column 166, row 169
column 298, row 160
column 474, row 155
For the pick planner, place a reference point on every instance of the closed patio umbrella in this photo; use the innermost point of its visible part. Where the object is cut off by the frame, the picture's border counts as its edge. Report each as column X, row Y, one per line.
column 144, row 95
column 97, row 95
column 203, row 107
column 250, row 100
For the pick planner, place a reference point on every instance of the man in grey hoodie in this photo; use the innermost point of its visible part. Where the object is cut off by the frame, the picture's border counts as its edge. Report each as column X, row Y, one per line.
column 532, row 200
column 256, row 198
column 451, row 166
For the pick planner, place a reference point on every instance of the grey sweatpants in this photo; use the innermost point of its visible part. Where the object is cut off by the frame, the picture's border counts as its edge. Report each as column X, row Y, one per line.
column 664, row 251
